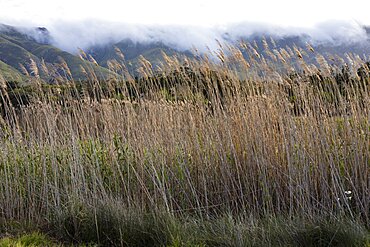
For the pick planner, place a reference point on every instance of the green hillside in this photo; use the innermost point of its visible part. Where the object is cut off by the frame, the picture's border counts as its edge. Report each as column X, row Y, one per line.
column 9, row 73
column 17, row 48
column 132, row 51
column 13, row 54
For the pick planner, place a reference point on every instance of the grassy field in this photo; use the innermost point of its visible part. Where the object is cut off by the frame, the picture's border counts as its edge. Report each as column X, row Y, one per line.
column 218, row 151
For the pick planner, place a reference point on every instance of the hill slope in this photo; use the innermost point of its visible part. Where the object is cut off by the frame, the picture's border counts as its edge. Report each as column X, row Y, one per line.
column 132, row 51
column 18, row 46
column 17, row 50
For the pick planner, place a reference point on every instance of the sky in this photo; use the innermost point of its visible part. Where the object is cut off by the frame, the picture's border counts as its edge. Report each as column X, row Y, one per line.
column 203, row 13
column 184, row 24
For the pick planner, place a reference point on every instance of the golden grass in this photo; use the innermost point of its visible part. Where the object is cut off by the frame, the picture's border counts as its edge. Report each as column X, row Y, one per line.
column 253, row 137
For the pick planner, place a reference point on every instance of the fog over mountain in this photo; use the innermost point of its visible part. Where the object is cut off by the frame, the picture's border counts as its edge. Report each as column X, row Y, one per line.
column 100, row 39
column 70, row 36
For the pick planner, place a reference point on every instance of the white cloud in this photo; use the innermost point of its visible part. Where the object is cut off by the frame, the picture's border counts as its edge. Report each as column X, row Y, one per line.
column 84, row 34
column 183, row 24
column 190, row 12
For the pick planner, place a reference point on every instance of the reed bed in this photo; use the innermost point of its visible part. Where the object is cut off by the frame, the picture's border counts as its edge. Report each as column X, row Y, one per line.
column 220, row 140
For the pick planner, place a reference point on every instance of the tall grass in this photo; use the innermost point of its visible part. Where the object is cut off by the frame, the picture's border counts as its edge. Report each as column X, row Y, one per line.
column 252, row 139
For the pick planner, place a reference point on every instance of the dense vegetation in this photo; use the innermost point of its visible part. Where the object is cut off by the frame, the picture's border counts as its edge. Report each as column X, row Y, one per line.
column 263, row 151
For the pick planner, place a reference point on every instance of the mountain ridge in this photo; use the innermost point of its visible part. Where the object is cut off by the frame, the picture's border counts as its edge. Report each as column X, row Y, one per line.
column 19, row 45
column 18, row 49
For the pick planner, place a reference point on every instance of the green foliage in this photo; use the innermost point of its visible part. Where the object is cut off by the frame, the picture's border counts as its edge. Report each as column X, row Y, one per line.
column 107, row 228
column 29, row 240
column 123, row 228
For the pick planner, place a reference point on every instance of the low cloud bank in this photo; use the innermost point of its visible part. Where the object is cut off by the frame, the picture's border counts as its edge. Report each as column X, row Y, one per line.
column 70, row 36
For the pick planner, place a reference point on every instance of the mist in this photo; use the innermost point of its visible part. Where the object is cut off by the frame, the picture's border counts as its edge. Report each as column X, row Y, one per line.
column 70, row 36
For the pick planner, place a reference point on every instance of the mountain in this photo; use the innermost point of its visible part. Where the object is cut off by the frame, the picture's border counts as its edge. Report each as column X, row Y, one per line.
column 325, row 48
column 19, row 45
column 17, row 49
column 132, row 51
column 9, row 73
